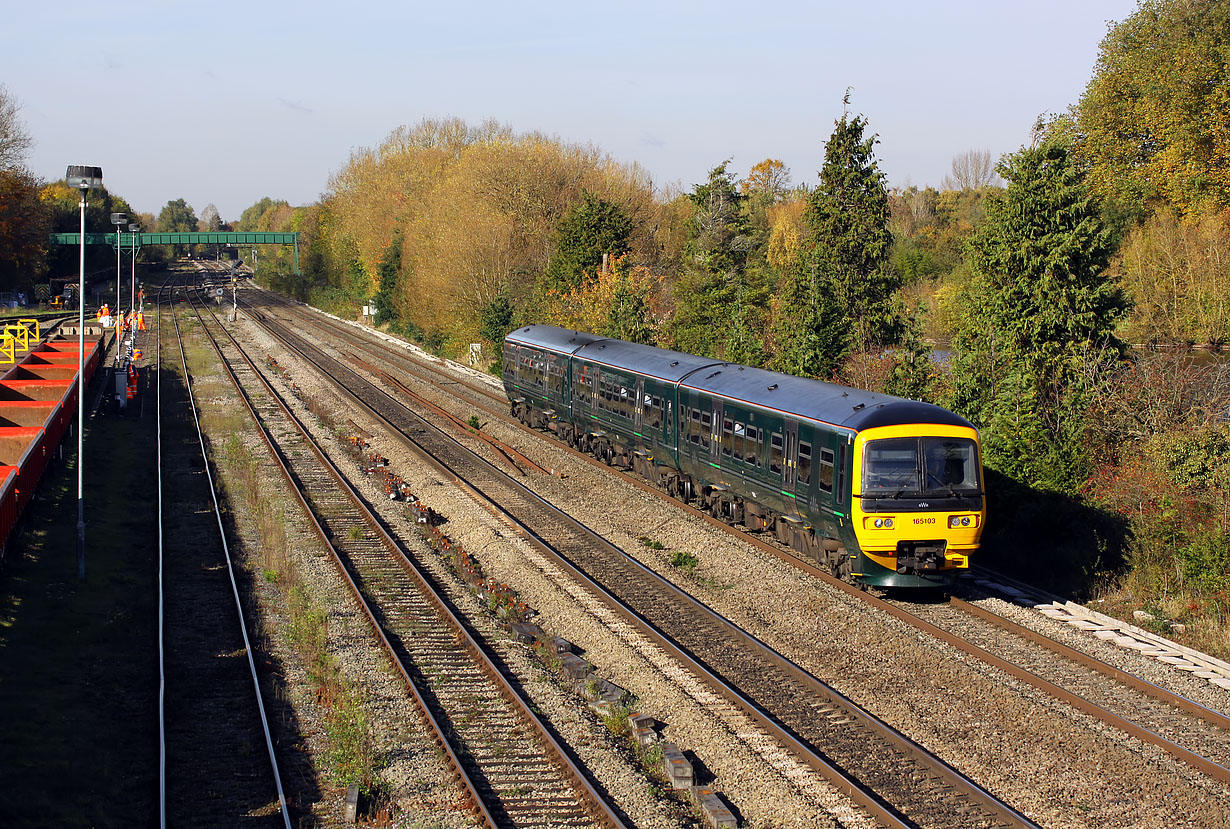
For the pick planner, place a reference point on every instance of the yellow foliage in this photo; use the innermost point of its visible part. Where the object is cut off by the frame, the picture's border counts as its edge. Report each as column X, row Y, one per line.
column 787, row 233
column 588, row 306
column 477, row 208
column 1176, row 272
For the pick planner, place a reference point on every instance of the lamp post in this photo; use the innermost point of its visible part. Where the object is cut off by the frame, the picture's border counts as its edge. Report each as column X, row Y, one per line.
column 118, row 219
column 83, row 178
column 132, row 289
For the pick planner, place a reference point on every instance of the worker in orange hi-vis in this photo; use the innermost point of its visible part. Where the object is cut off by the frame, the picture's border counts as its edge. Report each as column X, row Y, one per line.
column 140, row 320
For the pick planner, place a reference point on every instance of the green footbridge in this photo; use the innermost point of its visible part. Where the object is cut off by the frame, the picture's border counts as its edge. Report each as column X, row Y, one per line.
column 136, row 241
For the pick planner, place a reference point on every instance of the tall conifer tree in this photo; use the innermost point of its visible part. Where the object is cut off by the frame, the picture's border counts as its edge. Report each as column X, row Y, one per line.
column 841, row 295
column 1039, row 311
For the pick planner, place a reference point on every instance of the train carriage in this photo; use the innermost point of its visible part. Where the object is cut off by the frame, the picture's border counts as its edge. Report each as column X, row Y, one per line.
column 879, row 489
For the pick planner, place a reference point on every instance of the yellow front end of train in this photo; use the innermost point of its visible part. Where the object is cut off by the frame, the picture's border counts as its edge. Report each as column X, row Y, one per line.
column 918, row 506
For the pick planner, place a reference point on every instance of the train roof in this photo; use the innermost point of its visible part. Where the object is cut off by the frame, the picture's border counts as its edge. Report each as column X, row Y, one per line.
column 661, row 363
column 563, row 340
column 841, row 406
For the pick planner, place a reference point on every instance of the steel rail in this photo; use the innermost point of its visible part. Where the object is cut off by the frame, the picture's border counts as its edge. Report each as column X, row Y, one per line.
column 810, row 756
column 1202, row 764
column 597, row 807
column 512, row 455
column 1140, row 684
column 230, row 566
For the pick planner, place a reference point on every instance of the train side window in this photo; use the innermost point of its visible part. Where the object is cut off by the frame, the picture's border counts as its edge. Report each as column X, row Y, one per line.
column 694, row 426
column 706, row 423
column 775, row 453
column 728, row 437
column 740, row 439
column 804, row 462
column 751, row 447
column 826, row 470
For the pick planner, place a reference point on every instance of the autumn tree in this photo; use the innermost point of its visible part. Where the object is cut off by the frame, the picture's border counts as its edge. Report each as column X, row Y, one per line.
column 15, row 140
column 25, row 223
column 770, row 178
column 1151, row 124
column 25, row 220
column 971, row 170
column 618, row 302
column 1039, row 314
column 210, row 221
column 1176, row 273
column 177, row 217
column 266, row 215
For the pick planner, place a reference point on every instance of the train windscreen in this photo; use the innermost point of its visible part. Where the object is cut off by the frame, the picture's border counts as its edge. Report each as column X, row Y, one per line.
column 926, row 466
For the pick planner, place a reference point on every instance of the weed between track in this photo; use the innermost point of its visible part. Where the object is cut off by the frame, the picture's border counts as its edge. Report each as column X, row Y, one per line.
column 243, row 475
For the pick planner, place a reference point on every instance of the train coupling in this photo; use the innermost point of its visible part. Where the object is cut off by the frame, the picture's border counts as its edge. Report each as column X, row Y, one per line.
column 920, row 556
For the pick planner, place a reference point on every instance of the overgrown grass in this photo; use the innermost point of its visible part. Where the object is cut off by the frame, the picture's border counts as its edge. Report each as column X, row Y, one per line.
column 683, row 560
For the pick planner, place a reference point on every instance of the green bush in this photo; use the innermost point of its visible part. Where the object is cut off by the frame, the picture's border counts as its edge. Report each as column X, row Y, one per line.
column 1205, row 562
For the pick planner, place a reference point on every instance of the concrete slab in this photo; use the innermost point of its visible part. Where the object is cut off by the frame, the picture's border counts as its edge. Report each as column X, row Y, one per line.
column 573, row 666
column 678, row 768
column 717, row 814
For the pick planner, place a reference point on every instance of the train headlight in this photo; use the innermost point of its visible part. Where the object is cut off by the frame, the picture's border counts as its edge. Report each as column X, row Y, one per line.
column 879, row 523
column 955, row 521
column 888, row 523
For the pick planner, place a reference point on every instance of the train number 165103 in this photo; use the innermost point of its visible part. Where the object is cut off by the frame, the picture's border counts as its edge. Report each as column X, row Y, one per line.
column 924, row 520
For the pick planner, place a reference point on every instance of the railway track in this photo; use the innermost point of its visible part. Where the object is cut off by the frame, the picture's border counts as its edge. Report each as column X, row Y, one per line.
column 218, row 764
column 1192, row 733
column 510, row 764
column 890, row 776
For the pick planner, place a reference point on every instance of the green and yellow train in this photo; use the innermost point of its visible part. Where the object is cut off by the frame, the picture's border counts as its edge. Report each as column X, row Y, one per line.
column 878, row 489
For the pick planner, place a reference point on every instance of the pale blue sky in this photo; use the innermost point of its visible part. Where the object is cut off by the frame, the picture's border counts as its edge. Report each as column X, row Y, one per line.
column 227, row 102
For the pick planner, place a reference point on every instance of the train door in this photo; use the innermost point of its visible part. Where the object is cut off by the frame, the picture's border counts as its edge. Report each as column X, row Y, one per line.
column 638, row 419
column 565, row 386
column 790, row 456
column 582, row 391
column 715, row 434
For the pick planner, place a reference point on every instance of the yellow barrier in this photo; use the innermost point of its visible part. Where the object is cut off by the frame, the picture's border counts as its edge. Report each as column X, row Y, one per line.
column 28, row 322
column 7, row 348
column 20, row 334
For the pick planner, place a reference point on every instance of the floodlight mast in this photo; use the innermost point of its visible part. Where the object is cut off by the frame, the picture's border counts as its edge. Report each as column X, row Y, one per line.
column 82, row 178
